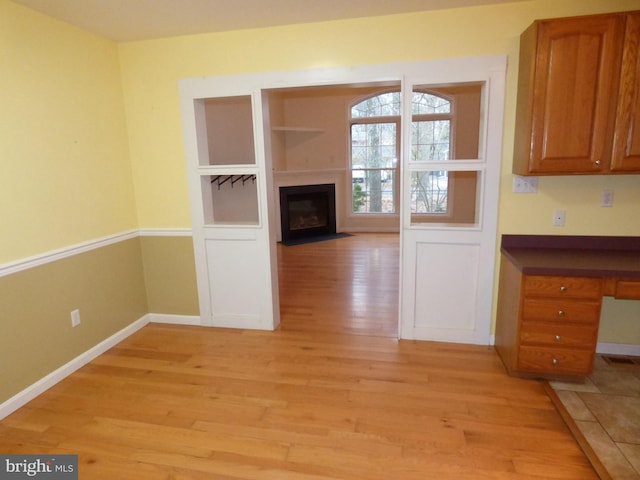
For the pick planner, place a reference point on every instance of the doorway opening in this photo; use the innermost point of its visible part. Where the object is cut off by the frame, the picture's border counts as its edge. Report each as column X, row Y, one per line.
column 340, row 285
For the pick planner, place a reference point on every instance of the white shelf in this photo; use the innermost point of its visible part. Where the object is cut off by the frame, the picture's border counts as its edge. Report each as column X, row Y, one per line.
column 297, row 129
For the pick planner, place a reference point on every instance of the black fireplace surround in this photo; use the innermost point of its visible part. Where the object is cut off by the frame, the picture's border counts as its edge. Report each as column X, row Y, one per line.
column 307, row 211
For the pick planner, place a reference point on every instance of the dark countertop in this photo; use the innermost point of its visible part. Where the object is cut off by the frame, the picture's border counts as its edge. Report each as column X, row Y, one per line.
column 583, row 256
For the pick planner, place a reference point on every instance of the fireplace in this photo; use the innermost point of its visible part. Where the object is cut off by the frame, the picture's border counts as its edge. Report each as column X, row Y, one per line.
column 307, row 211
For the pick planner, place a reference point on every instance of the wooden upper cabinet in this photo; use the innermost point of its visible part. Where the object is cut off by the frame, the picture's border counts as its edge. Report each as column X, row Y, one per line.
column 578, row 96
column 626, row 144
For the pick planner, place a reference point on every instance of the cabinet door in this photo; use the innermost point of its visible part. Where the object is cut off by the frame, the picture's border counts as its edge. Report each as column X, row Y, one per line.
column 572, row 111
column 626, row 145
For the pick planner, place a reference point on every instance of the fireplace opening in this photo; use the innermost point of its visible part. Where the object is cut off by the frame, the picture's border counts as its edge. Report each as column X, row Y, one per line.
column 307, row 211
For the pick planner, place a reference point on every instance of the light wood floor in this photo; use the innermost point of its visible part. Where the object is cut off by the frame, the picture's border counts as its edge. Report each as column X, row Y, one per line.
column 331, row 395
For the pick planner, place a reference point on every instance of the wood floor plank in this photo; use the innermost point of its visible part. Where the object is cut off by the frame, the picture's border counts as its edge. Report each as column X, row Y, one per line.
column 331, row 395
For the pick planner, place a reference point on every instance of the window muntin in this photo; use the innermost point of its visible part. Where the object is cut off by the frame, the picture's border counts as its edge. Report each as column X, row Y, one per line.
column 375, row 140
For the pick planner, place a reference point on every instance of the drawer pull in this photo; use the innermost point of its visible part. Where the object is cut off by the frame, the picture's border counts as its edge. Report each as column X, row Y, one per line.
column 557, row 338
column 563, row 289
column 555, row 361
column 561, row 313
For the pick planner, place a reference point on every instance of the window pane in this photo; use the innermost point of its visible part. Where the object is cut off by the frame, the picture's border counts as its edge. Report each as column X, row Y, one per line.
column 424, row 103
column 430, row 140
column 429, row 192
column 373, row 145
column 373, row 191
column 459, row 103
column 383, row 105
column 444, row 197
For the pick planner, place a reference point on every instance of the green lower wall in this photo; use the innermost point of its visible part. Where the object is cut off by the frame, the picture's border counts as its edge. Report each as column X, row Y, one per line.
column 114, row 286
column 105, row 284
column 170, row 275
column 620, row 321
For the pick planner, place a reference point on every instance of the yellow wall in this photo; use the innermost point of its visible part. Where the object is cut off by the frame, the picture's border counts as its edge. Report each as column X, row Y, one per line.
column 65, row 179
column 151, row 71
column 65, row 175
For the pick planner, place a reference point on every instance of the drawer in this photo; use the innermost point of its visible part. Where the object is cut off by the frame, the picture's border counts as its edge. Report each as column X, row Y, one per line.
column 562, row 287
column 559, row 361
column 576, row 336
column 629, row 289
column 559, row 310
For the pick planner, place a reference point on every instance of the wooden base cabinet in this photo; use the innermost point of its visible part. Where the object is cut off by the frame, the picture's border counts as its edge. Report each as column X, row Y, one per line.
column 547, row 326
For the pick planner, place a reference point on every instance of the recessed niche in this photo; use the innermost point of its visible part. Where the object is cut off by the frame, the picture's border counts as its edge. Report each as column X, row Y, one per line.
column 229, row 131
column 230, row 199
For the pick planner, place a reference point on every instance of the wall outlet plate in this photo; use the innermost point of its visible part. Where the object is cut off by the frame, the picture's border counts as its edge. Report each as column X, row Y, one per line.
column 75, row 318
column 607, row 198
column 558, row 218
column 525, row 184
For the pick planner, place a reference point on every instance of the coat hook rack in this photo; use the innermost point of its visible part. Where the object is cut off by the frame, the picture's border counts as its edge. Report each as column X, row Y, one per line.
column 220, row 180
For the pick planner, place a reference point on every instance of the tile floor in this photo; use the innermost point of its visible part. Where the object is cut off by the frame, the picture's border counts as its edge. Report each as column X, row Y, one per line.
column 606, row 409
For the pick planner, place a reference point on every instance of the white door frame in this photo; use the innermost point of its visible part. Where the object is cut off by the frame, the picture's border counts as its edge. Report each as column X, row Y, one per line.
column 434, row 72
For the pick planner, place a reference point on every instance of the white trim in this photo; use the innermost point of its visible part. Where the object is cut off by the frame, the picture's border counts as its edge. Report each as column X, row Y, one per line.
column 165, row 232
column 32, row 391
column 618, row 349
column 175, row 319
column 66, row 252
column 52, row 256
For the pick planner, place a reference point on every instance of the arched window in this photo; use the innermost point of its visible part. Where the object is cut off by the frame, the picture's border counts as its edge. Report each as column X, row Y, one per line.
column 375, row 145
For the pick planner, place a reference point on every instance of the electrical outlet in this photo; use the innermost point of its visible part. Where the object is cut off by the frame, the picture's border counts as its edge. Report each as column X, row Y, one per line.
column 607, row 198
column 558, row 218
column 75, row 318
column 525, row 184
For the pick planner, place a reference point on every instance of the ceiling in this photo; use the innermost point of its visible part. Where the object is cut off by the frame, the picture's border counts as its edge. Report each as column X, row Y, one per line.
column 130, row 20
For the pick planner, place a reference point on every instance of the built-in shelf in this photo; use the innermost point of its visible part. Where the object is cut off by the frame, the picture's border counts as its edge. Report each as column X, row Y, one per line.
column 307, row 172
column 297, row 129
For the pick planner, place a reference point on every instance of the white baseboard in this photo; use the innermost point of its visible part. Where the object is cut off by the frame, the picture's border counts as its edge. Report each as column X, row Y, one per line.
column 31, row 392
column 618, row 349
column 175, row 319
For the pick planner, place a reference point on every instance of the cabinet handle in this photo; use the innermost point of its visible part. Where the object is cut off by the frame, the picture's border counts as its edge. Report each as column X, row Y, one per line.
column 561, row 313
column 554, row 361
column 563, row 289
column 597, row 162
column 557, row 338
